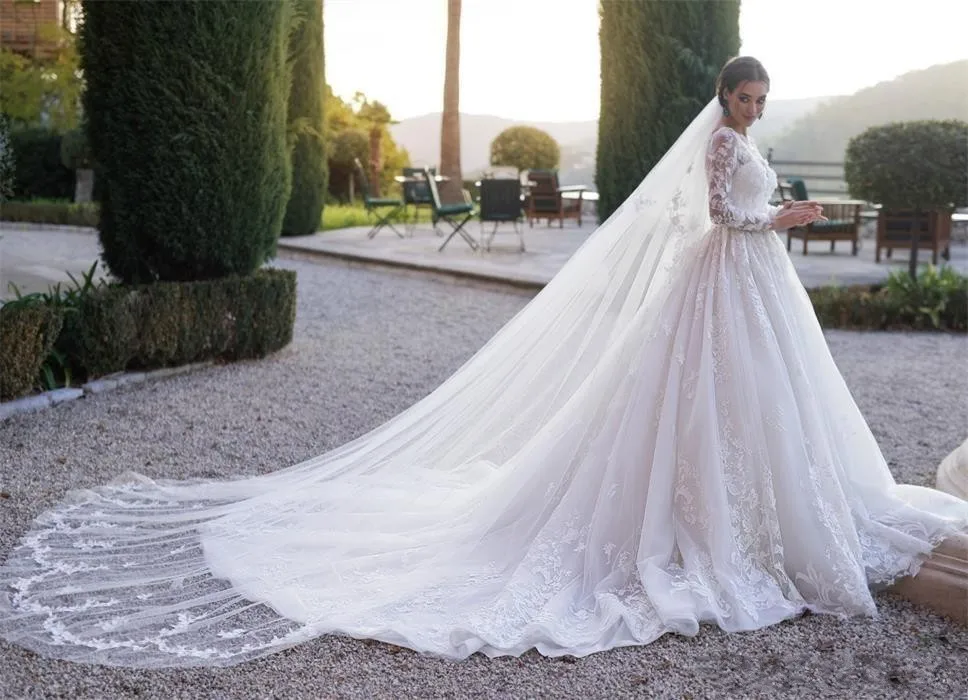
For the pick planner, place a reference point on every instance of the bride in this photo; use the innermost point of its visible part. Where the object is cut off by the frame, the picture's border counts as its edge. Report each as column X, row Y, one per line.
column 660, row 438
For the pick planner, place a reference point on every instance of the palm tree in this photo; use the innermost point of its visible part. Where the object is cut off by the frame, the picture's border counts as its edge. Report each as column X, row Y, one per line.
column 450, row 120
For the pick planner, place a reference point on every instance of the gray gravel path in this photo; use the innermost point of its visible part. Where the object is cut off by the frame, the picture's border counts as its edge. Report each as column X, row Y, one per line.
column 370, row 343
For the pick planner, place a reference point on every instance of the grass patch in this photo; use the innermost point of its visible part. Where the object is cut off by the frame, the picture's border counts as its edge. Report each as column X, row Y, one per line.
column 65, row 213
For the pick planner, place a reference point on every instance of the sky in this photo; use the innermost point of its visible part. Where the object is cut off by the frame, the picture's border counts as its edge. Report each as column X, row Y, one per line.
column 538, row 60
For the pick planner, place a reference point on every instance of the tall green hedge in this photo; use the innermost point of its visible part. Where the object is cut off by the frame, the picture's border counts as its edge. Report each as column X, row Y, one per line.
column 306, row 102
column 659, row 62
column 186, row 107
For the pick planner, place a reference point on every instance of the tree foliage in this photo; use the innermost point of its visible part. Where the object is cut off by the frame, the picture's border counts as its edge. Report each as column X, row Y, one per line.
column 659, row 62
column 43, row 91
column 525, row 148
column 348, row 125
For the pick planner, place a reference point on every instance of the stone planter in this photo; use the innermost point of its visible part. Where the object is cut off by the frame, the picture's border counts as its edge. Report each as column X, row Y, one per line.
column 953, row 472
column 942, row 583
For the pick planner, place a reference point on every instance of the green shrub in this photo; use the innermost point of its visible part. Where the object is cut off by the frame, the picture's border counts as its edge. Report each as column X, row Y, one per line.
column 910, row 165
column 27, row 335
column 62, row 365
column 306, row 123
column 525, row 148
column 38, row 170
column 75, row 150
column 192, row 155
column 936, row 300
column 659, row 63
column 57, row 213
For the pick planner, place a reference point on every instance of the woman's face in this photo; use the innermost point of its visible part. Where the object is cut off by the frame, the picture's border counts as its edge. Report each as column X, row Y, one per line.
column 747, row 101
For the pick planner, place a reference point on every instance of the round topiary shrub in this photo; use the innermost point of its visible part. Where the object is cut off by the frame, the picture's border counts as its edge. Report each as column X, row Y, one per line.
column 525, row 148
column 917, row 171
column 919, row 165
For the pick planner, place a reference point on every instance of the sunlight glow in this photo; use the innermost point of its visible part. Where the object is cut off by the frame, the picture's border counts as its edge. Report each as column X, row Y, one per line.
column 539, row 59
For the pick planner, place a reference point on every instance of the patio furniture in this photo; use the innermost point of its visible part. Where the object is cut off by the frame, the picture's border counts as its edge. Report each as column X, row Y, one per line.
column 457, row 215
column 933, row 232
column 500, row 203
column 843, row 219
column 380, row 207
column 416, row 194
column 544, row 199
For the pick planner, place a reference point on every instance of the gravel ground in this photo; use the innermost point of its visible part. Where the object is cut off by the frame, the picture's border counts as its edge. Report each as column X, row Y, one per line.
column 368, row 344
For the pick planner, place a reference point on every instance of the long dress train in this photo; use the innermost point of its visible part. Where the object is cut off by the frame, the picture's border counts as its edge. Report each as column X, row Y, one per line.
column 660, row 438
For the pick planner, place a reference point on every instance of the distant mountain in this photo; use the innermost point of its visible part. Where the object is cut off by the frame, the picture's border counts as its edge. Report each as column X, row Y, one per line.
column 578, row 140
column 938, row 92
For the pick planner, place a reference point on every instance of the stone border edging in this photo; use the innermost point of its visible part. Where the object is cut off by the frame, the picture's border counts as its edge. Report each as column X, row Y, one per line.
column 32, row 226
column 49, row 399
column 297, row 252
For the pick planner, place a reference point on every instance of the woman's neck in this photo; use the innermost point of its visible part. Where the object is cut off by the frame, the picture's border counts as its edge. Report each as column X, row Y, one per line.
column 734, row 125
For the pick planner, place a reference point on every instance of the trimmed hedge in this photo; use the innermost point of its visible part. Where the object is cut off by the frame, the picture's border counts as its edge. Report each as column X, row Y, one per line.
column 177, row 323
column 306, row 124
column 186, row 119
column 98, row 330
column 659, row 63
column 27, row 335
column 58, row 213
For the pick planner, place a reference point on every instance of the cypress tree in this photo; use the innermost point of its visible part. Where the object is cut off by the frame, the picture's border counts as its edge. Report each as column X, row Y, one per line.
column 306, row 102
column 186, row 107
column 659, row 62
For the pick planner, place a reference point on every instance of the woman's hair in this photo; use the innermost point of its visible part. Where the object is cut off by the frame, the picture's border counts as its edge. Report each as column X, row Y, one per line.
column 739, row 70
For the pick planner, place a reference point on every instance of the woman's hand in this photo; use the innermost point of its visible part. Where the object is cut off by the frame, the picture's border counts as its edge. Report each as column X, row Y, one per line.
column 796, row 214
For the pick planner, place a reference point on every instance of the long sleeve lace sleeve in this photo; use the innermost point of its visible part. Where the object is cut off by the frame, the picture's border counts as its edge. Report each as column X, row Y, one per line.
column 721, row 163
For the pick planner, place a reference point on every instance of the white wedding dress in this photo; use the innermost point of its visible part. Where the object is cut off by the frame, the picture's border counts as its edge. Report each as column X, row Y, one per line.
column 660, row 438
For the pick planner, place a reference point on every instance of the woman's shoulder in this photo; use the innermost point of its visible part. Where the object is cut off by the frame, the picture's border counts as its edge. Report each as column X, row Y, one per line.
column 723, row 137
column 726, row 133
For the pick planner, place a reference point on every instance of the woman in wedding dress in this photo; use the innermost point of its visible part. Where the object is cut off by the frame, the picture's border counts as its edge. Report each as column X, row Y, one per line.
column 660, row 438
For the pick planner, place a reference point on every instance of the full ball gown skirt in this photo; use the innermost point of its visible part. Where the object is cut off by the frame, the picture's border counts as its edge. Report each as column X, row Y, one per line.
column 711, row 466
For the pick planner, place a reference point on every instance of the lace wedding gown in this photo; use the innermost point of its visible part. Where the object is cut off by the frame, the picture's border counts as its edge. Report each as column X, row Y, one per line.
column 660, row 438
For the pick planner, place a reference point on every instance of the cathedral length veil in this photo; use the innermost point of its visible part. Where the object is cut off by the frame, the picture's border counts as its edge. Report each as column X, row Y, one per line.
column 525, row 503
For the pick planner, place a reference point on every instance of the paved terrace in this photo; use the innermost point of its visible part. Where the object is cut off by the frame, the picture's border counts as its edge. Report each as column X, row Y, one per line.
column 34, row 256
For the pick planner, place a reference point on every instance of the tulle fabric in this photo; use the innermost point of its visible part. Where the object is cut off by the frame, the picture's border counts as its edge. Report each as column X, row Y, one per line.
column 660, row 438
